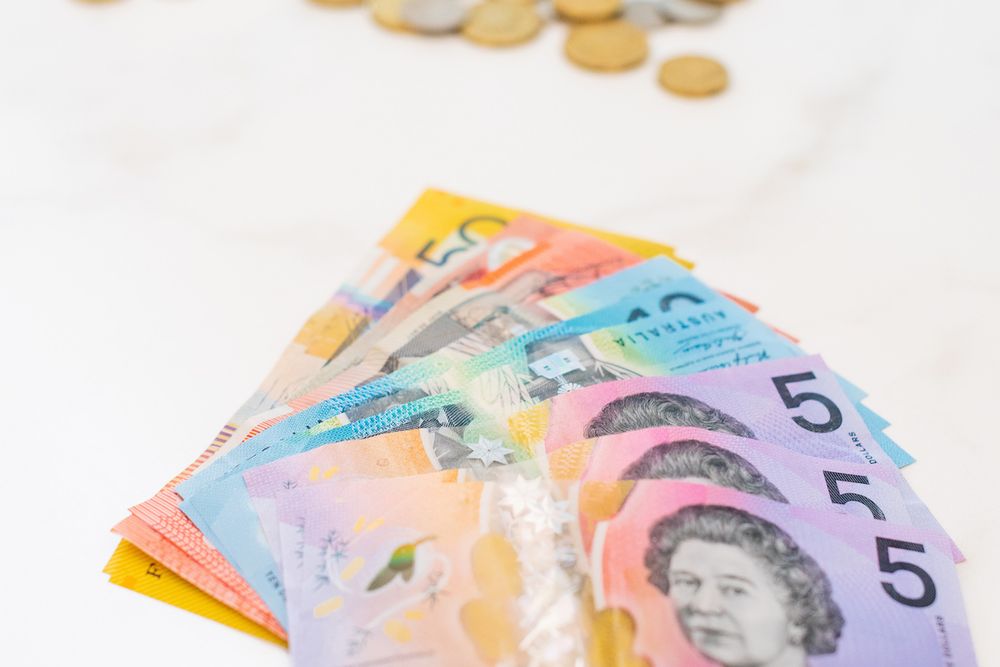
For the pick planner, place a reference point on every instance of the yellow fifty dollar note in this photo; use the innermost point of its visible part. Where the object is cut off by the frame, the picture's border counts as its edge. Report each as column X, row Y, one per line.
column 130, row 568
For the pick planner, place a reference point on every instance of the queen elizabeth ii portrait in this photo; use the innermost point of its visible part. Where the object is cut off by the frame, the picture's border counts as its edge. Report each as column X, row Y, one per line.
column 745, row 594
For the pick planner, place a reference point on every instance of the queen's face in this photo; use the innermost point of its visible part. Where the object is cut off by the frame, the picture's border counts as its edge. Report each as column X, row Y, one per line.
column 730, row 607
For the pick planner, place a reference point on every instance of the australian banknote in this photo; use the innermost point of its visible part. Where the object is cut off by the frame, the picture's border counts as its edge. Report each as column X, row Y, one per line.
column 703, row 575
column 425, row 568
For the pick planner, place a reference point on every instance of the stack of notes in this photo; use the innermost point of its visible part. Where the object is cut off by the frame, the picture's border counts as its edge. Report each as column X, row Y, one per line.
column 509, row 440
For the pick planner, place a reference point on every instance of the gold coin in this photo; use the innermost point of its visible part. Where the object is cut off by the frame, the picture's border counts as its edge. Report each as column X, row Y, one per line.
column 588, row 10
column 611, row 46
column 387, row 14
column 693, row 76
column 501, row 24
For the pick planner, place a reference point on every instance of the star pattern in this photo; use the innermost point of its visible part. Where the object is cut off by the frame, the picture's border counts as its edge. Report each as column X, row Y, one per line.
column 522, row 494
column 549, row 516
column 488, row 451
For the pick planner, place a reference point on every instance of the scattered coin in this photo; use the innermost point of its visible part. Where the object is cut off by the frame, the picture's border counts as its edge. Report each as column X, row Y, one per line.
column 433, row 17
column 693, row 76
column 644, row 14
column 388, row 13
column 337, row 3
column 501, row 24
column 607, row 47
column 604, row 35
column 588, row 10
column 690, row 11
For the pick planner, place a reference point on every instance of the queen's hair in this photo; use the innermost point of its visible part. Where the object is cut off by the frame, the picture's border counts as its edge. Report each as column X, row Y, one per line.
column 654, row 408
column 684, row 459
column 808, row 596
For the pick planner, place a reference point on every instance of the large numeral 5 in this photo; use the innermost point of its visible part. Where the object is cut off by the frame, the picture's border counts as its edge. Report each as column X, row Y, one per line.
column 795, row 400
column 463, row 233
column 885, row 564
column 833, row 478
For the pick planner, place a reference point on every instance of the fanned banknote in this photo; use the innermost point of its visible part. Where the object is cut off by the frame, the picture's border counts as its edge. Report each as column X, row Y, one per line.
column 667, row 452
column 226, row 512
column 207, row 496
column 507, row 440
column 439, row 232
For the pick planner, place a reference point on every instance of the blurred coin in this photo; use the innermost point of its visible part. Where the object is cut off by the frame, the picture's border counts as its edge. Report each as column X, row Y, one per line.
column 388, row 13
column 433, row 17
column 693, row 76
column 588, row 10
column 690, row 11
column 336, row 3
column 644, row 14
column 610, row 46
column 501, row 23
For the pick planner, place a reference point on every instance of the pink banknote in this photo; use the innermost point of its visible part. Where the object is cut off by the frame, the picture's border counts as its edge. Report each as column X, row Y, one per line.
column 753, row 467
column 693, row 575
column 427, row 570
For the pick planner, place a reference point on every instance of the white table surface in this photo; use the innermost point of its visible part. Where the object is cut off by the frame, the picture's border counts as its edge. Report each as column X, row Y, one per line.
column 183, row 181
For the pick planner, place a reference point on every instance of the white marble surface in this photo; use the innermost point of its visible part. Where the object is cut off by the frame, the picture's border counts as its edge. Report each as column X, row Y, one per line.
column 182, row 181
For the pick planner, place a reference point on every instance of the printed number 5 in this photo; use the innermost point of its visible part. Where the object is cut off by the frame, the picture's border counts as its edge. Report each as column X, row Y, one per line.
column 463, row 234
column 836, row 495
column 885, row 564
column 795, row 400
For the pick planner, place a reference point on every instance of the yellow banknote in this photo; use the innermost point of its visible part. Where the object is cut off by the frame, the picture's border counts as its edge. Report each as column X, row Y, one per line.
column 130, row 568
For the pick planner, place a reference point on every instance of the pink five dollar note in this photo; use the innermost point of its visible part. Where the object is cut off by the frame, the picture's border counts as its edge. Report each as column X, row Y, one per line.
column 693, row 575
column 754, row 467
column 433, row 571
